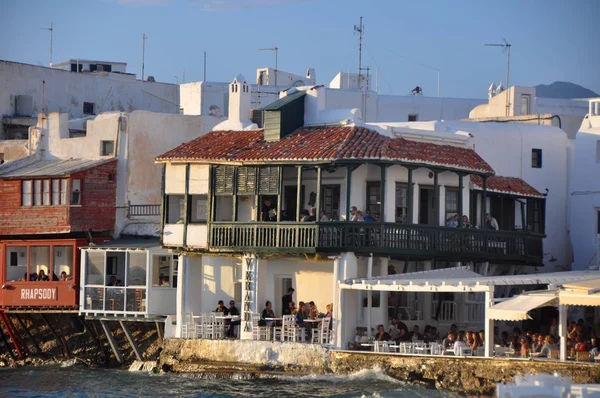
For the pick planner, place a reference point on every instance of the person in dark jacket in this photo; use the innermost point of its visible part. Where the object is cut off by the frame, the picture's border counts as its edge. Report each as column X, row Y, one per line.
column 285, row 302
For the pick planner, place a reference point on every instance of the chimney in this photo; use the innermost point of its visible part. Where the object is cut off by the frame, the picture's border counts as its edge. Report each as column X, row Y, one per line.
column 239, row 99
column 284, row 116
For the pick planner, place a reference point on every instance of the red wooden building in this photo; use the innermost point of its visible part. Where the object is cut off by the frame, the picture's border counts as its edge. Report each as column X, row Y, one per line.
column 48, row 209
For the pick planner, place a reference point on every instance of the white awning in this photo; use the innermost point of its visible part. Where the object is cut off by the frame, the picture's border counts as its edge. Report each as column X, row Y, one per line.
column 516, row 308
column 581, row 293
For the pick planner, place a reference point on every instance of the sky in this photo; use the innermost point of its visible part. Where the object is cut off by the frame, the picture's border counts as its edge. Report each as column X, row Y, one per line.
column 406, row 41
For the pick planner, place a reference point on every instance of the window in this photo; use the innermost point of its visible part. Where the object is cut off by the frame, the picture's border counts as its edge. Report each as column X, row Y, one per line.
column 26, row 192
column 94, row 268
column 223, row 180
column 175, row 209
column 598, row 151
column 451, row 203
column 14, row 259
column 413, row 118
column 107, row 148
column 598, row 222
column 162, row 271
column 37, row 192
column 373, row 197
column 88, row 108
column 137, row 269
column 525, row 104
column 75, row 192
column 536, row 158
column 46, row 193
column 246, row 181
column 63, row 192
column 268, row 181
column 93, row 67
column 199, row 208
column 401, row 203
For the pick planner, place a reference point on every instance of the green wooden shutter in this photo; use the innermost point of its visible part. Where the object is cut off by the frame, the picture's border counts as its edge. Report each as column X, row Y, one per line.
column 246, row 181
column 268, row 182
column 224, row 180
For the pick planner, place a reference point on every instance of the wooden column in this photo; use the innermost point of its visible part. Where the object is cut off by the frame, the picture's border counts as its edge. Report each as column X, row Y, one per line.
column 299, row 194
column 318, row 204
column 483, row 202
column 210, row 198
column 410, row 197
column 383, row 169
column 279, row 193
column 163, row 203
column 235, row 201
column 436, row 198
column 348, row 190
column 461, row 211
column 186, row 204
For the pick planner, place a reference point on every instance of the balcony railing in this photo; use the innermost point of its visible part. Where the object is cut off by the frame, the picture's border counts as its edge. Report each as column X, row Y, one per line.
column 143, row 210
column 460, row 244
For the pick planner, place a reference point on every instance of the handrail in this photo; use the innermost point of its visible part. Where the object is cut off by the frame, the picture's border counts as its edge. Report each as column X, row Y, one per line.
column 372, row 237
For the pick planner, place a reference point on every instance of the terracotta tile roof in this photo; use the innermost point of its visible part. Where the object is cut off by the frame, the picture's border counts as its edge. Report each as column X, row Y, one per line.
column 507, row 185
column 327, row 144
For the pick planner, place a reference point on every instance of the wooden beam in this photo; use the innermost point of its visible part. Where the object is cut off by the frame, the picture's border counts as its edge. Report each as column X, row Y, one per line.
column 319, row 182
column 410, row 197
column 186, row 204
column 483, row 203
column 111, row 340
column 461, row 211
column 163, row 203
column 279, row 194
column 33, row 340
column 234, row 213
column 159, row 334
column 298, row 194
column 348, row 190
column 131, row 340
column 436, row 198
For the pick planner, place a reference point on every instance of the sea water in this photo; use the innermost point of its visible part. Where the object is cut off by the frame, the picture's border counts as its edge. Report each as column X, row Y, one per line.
column 80, row 381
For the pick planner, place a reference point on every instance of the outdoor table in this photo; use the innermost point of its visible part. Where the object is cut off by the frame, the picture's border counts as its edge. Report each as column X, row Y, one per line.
column 228, row 317
column 273, row 319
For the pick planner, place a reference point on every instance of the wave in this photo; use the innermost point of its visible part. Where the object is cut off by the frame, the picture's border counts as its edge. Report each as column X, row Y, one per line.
column 373, row 374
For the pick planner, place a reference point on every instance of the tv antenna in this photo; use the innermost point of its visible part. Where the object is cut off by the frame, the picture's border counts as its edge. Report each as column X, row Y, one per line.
column 360, row 29
column 276, row 50
column 51, row 29
column 506, row 47
column 144, row 38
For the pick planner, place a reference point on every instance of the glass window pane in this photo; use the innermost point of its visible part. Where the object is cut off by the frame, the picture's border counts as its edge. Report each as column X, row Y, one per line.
column 199, row 209
column 94, row 298
column 39, row 263
column 55, row 192
column 175, row 209
column 46, row 193
column 136, row 300
column 161, row 271
column 75, row 192
column 16, row 261
column 94, row 268
column 63, row 192
column 37, row 192
column 26, row 187
column 137, row 269
column 63, row 262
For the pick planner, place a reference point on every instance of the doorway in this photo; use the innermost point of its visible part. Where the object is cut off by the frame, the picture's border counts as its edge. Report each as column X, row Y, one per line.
column 330, row 202
column 426, row 206
column 290, row 200
column 282, row 284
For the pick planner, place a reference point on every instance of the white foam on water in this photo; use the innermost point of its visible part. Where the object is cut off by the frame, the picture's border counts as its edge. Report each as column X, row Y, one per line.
column 376, row 374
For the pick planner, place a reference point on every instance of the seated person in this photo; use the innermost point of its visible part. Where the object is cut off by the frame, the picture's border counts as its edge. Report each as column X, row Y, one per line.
column 460, row 344
column 300, row 319
column 164, row 281
column 504, row 340
column 268, row 313
column 312, row 215
column 398, row 330
column 382, row 335
column 64, row 277
column 233, row 311
column 361, row 338
column 112, row 281
column 292, row 308
column 368, row 217
column 312, row 309
column 448, row 342
column 42, row 276
column 221, row 309
column 415, row 335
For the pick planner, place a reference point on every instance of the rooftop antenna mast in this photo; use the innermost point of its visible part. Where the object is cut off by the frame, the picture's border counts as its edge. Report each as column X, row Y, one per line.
column 506, row 47
column 360, row 30
column 276, row 50
column 51, row 29
column 144, row 38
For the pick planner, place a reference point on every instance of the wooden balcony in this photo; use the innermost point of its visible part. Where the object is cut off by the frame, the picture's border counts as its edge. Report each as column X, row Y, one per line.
column 402, row 240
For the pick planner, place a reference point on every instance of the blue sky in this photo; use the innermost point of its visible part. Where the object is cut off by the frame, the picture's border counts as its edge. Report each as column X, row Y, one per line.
column 551, row 40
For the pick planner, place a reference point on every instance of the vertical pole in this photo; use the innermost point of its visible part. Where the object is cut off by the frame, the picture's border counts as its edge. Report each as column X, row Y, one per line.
column 186, row 204
column 204, row 69
column 280, row 193
column 382, row 192
column 483, row 202
column 51, row 37
column 489, row 323
column 143, row 53
column 410, row 197
column 460, row 200
column 507, row 77
column 298, row 194
column 436, row 199
column 319, row 181
column 562, row 331
column 369, row 294
column 348, row 190
column 163, row 202
column 235, row 198
column 438, row 73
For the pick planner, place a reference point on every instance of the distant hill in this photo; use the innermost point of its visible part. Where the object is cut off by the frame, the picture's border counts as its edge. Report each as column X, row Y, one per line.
column 563, row 90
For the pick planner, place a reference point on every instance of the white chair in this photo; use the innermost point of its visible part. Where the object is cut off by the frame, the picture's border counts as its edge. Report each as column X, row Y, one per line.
column 480, row 351
column 321, row 334
column 208, row 326
column 465, row 351
column 219, row 327
column 291, row 331
column 435, row 349
column 187, row 327
column 258, row 332
column 420, row 347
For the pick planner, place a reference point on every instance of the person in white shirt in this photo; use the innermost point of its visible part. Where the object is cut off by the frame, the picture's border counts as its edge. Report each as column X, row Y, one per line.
column 460, row 344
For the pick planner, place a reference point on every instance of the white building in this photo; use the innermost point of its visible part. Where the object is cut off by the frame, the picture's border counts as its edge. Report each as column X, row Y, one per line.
column 308, row 155
column 585, row 192
column 29, row 89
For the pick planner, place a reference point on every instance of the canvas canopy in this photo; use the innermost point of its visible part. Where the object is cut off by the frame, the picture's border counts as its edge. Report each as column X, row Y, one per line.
column 581, row 293
column 516, row 308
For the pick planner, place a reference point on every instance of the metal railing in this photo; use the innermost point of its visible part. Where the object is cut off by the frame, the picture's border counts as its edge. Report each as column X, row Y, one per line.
column 475, row 311
column 388, row 238
column 448, row 311
column 143, row 210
